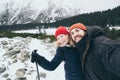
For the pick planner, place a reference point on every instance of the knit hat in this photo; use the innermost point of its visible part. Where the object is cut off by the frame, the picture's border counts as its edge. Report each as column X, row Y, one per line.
column 61, row 30
column 78, row 25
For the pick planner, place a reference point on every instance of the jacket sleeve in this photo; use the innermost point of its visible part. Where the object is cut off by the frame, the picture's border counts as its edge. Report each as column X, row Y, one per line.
column 52, row 65
column 95, row 31
column 109, row 52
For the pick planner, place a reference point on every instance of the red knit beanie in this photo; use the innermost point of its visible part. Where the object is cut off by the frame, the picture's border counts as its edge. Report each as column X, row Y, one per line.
column 78, row 25
column 61, row 30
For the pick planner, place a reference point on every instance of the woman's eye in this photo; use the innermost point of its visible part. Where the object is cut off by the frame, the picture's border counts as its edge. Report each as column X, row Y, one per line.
column 72, row 33
column 57, row 39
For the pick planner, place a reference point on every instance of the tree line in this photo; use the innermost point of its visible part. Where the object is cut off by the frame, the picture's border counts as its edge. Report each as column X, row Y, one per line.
column 110, row 17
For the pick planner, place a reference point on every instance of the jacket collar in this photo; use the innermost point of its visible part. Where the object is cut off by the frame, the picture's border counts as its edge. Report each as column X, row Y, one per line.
column 81, row 45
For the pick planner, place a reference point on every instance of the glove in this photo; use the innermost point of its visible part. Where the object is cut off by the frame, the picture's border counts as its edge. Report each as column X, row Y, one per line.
column 35, row 57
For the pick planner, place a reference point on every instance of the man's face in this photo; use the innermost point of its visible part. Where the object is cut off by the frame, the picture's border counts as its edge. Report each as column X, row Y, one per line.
column 77, row 34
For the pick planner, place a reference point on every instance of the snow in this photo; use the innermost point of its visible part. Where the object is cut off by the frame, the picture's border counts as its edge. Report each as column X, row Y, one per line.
column 43, row 49
column 48, row 31
column 114, row 27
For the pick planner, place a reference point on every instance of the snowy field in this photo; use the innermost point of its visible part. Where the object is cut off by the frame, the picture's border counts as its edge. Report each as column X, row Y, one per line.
column 10, row 65
column 115, row 27
column 49, row 31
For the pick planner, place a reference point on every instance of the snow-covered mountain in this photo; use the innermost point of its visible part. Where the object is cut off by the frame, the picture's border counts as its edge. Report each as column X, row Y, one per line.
column 16, row 13
column 56, row 12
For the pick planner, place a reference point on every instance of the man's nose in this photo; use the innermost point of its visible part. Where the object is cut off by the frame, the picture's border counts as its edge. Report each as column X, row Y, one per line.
column 75, row 34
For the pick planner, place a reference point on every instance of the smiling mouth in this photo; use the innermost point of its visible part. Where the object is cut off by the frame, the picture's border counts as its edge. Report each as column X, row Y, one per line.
column 77, row 38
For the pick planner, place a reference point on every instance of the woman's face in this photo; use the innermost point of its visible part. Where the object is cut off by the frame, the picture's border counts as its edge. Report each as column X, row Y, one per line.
column 62, row 40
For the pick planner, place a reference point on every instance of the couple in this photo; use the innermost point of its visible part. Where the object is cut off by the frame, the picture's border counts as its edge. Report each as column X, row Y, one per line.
column 89, row 55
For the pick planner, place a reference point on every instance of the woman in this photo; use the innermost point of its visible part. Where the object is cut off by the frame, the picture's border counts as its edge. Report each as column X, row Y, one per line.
column 64, row 52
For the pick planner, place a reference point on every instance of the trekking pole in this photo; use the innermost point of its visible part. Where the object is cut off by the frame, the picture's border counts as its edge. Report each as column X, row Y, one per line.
column 38, row 71
column 35, row 51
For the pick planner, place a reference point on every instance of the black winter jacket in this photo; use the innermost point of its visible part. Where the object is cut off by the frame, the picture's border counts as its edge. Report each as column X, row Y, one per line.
column 100, row 56
column 72, row 64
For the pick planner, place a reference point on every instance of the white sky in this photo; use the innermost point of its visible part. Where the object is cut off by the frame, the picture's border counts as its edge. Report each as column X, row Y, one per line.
column 84, row 5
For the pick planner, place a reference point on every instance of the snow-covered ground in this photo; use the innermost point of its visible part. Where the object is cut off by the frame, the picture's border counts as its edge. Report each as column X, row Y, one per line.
column 114, row 27
column 27, row 45
column 49, row 31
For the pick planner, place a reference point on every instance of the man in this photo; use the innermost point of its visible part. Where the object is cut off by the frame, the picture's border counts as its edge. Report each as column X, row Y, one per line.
column 100, row 55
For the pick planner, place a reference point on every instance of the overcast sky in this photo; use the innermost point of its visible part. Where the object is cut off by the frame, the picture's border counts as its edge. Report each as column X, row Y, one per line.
column 85, row 6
